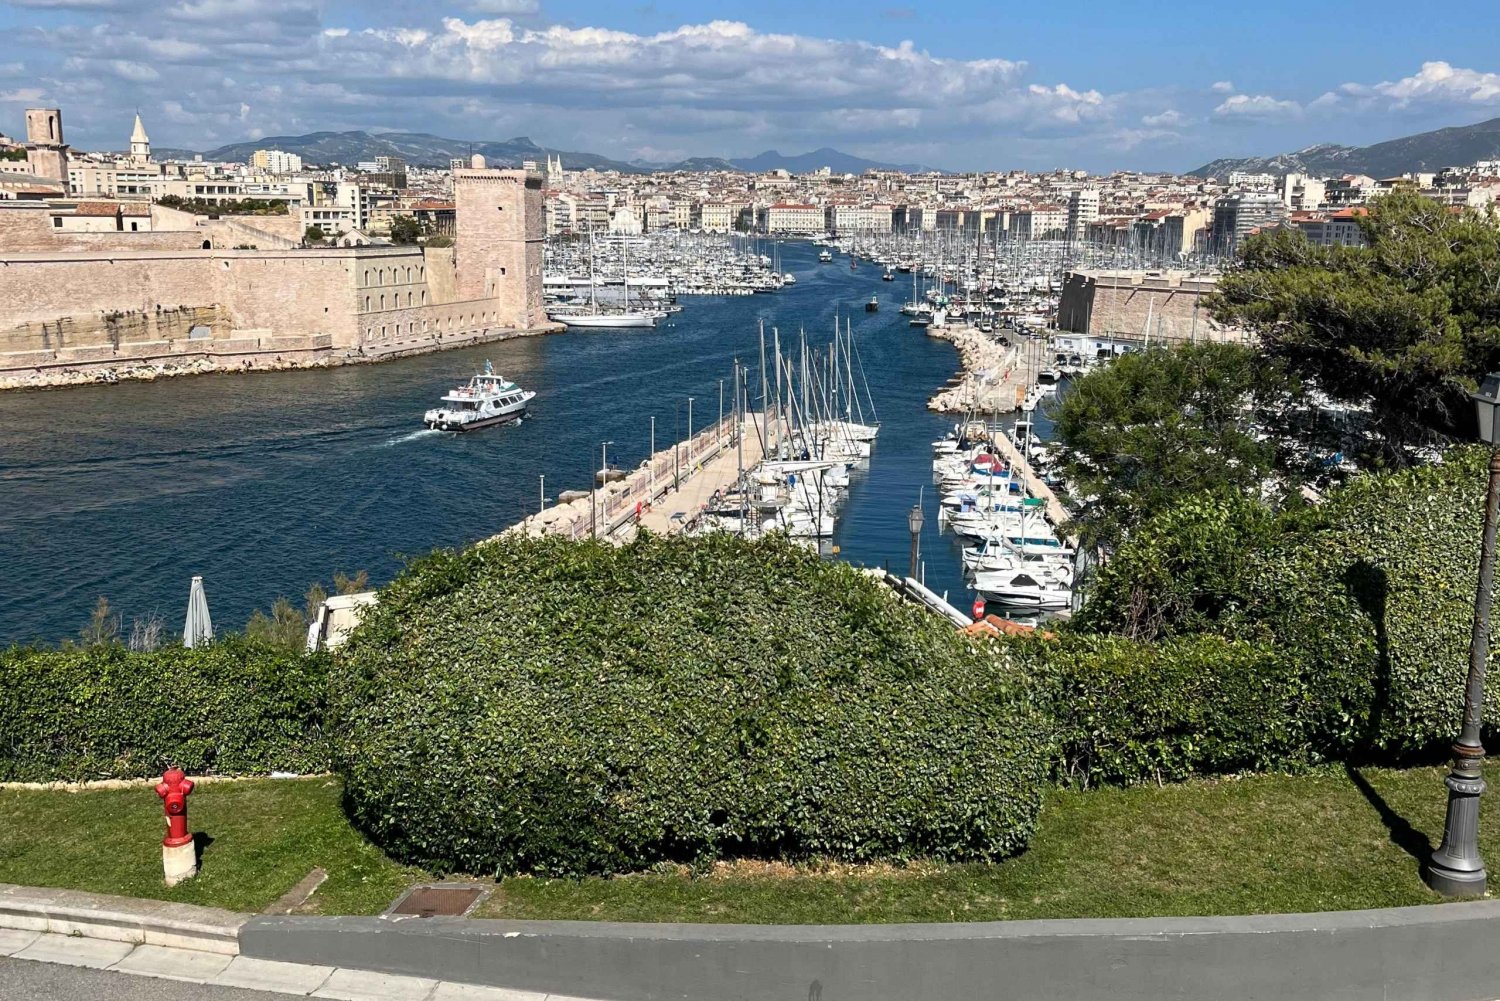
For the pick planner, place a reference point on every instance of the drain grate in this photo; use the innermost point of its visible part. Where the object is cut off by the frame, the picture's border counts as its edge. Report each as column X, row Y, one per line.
column 438, row 901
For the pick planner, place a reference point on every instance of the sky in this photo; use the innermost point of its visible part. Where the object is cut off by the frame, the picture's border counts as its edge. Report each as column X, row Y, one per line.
column 956, row 84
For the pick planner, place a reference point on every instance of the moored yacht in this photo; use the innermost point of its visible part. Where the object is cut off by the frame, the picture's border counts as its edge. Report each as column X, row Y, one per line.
column 487, row 399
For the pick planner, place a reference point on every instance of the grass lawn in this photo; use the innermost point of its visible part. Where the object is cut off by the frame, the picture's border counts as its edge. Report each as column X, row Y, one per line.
column 1239, row 846
column 1322, row 841
column 267, row 834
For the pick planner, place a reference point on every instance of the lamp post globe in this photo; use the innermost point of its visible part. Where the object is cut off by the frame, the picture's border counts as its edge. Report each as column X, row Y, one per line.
column 1457, row 869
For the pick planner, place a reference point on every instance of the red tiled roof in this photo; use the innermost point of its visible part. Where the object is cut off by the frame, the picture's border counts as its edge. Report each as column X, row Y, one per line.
column 97, row 208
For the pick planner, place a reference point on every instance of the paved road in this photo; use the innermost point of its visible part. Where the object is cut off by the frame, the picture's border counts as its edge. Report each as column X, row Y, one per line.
column 20, row 979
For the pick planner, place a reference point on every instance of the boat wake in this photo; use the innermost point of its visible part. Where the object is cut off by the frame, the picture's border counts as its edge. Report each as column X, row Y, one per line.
column 414, row 436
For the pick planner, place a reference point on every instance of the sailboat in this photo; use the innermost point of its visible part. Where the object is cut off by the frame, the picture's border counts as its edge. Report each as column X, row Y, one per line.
column 596, row 318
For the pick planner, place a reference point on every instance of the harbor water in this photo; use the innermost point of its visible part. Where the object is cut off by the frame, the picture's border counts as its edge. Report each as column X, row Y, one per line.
column 266, row 483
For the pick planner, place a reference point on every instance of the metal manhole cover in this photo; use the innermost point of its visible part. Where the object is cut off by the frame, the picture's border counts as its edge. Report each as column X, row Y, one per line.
column 438, row 901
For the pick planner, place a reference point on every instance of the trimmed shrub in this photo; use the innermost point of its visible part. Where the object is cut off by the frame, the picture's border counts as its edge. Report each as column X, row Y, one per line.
column 1181, row 571
column 1377, row 597
column 1371, row 595
column 538, row 705
column 1125, row 711
column 232, row 708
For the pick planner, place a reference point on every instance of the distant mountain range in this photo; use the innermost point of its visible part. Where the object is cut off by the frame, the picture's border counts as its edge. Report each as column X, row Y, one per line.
column 424, row 150
column 1450, row 147
column 806, row 163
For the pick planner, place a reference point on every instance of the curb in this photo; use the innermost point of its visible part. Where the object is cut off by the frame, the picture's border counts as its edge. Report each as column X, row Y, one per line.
column 121, row 919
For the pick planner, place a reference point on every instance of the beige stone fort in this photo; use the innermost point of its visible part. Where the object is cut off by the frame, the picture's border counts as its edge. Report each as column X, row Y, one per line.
column 120, row 289
column 1157, row 306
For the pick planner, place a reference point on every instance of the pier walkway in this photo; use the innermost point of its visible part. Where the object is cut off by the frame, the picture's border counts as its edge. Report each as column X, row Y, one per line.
column 664, row 494
column 1035, row 487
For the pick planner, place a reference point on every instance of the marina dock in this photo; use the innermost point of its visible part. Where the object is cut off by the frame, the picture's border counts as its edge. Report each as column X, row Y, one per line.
column 665, row 493
column 1035, row 486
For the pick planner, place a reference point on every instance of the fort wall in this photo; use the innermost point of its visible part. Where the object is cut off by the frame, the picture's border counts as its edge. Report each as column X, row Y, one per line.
column 1134, row 305
column 123, row 304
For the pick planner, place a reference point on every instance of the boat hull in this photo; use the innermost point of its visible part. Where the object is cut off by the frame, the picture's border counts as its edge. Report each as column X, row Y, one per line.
column 606, row 322
column 484, row 422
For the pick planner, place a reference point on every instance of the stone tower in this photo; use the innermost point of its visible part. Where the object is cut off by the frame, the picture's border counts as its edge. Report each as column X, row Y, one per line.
column 498, row 242
column 140, row 143
column 46, row 153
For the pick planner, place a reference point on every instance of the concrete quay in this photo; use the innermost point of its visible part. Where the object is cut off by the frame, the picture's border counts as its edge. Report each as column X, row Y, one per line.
column 993, row 378
column 665, row 494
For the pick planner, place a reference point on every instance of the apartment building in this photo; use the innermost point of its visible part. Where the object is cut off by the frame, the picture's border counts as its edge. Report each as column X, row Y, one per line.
column 792, row 218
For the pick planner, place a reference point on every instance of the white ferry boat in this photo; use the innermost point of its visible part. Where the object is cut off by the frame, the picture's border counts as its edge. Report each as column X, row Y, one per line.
column 487, row 399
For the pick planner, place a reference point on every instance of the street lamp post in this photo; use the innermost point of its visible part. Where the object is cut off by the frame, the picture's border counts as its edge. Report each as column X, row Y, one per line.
column 690, row 432
column 653, row 460
column 914, row 525
column 1456, row 868
column 594, row 489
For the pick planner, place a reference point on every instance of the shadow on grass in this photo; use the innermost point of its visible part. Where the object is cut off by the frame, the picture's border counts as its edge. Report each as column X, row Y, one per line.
column 1404, row 836
column 201, row 841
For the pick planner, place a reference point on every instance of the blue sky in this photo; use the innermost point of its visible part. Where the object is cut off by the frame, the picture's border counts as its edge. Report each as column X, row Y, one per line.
column 962, row 85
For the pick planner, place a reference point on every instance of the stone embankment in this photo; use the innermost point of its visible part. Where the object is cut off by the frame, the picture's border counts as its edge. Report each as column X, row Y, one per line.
column 993, row 377
column 239, row 355
column 150, row 372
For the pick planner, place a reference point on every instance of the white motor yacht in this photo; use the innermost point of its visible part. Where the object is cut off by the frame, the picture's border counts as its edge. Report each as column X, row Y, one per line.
column 1026, row 588
column 488, row 399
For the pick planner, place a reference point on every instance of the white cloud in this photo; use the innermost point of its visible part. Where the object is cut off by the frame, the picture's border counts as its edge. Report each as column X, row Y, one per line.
column 1222, row 87
column 1165, row 119
column 1256, row 106
column 1440, row 81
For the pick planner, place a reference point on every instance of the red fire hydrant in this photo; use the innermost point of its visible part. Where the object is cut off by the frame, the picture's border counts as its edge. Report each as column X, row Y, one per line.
column 174, row 789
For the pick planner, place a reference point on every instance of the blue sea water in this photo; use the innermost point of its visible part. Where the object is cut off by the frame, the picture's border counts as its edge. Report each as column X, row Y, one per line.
column 265, row 483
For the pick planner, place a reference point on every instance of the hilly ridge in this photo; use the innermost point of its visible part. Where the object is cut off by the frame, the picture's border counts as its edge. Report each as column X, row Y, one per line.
column 1448, row 147
column 426, row 150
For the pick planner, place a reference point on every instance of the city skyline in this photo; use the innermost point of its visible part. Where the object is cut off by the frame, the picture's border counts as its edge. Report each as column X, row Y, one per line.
column 964, row 87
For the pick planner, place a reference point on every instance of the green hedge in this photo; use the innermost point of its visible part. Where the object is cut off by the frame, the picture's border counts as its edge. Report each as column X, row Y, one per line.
column 1125, row 711
column 235, row 707
column 1370, row 596
column 559, row 707
column 1378, row 594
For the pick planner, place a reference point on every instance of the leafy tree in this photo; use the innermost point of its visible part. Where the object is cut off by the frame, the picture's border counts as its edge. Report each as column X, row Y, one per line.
column 440, row 241
column 1404, row 326
column 314, row 234
column 1151, row 428
column 13, row 153
column 405, row 229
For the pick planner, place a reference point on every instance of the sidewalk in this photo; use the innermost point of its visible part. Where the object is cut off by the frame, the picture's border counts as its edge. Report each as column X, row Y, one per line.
column 199, row 945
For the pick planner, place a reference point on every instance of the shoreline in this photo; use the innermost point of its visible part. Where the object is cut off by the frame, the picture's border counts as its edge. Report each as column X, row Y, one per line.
column 109, row 372
column 991, row 377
